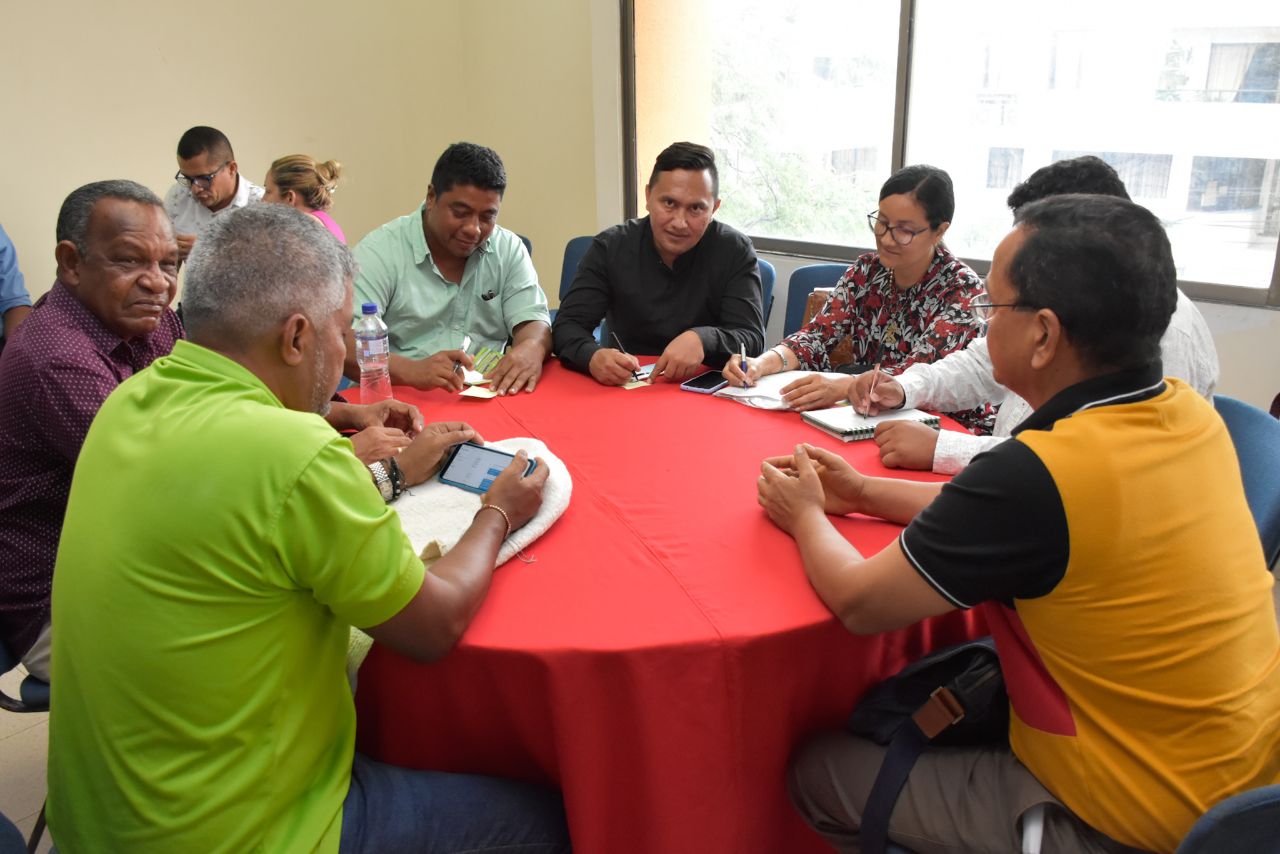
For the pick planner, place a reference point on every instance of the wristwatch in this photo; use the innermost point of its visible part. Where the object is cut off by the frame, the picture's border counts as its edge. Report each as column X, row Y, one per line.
column 383, row 480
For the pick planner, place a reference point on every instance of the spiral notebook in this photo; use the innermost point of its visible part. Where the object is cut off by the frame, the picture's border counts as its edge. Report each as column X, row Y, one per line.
column 847, row 424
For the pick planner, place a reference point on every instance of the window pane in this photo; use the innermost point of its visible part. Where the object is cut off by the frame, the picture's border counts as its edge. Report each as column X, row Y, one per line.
column 1182, row 98
column 1004, row 168
column 802, row 114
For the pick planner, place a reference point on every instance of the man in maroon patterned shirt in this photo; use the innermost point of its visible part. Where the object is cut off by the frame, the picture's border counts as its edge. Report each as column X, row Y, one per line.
column 106, row 318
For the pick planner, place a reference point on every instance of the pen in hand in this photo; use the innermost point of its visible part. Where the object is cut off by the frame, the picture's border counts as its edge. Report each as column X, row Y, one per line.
column 742, row 363
column 616, row 340
column 875, row 376
column 466, row 345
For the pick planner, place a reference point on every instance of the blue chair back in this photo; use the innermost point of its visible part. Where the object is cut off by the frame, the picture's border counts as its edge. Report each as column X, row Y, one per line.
column 528, row 244
column 1249, row 821
column 33, row 694
column 767, row 276
column 802, row 283
column 1256, row 436
column 573, row 252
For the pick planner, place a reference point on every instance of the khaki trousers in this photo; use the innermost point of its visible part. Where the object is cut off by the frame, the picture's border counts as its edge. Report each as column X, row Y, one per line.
column 37, row 658
column 967, row 799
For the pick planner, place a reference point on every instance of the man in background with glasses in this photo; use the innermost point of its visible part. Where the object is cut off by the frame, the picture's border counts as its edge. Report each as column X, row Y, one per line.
column 208, row 182
column 965, row 377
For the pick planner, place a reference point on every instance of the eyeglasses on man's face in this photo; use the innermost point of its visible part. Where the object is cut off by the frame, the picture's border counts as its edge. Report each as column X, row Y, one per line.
column 201, row 181
column 899, row 234
column 983, row 307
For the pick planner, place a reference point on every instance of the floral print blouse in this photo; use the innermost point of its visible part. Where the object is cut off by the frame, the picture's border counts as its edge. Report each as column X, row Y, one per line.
column 896, row 328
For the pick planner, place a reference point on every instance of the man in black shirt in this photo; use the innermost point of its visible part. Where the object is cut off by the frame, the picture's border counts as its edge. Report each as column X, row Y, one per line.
column 676, row 282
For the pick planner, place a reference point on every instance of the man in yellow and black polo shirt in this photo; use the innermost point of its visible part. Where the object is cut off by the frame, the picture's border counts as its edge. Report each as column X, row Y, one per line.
column 1110, row 546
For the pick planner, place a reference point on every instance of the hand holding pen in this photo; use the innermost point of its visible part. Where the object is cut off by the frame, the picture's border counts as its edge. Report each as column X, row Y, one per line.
column 466, row 345
column 635, row 375
column 742, row 364
column 888, row 393
column 875, row 376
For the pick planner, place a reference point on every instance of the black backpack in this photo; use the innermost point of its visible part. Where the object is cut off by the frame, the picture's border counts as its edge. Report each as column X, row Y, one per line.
column 954, row 696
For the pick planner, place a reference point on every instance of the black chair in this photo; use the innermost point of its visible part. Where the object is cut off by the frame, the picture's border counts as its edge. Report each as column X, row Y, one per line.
column 528, row 244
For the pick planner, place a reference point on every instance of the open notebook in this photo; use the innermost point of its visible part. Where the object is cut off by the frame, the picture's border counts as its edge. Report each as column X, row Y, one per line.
column 847, row 424
column 767, row 392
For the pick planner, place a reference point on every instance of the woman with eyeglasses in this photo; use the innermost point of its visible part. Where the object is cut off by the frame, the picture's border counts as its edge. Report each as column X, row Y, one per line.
column 298, row 180
column 906, row 302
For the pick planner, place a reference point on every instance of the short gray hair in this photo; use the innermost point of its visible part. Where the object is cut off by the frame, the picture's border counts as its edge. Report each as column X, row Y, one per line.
column 254, row 267
column 77, row 209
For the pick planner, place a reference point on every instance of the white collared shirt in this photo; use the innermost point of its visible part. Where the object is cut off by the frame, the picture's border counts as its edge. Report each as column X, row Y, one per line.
column 964, row 378
column 191, row 217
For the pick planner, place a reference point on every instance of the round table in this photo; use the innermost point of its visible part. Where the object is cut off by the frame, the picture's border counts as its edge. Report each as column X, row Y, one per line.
column 664, row 653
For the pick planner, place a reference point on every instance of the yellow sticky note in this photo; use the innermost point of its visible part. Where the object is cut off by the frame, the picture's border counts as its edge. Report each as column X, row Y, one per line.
column 478, row 392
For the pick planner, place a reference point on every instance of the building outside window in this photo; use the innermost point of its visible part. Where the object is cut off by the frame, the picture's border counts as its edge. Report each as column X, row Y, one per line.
column 810, row 105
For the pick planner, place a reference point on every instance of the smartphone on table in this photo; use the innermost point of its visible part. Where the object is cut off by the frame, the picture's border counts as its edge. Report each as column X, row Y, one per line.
column 474, row 467
column 711, row 381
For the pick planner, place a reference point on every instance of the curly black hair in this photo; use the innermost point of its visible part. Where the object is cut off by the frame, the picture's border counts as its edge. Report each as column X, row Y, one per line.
column 468, row 163
column 1086, row 174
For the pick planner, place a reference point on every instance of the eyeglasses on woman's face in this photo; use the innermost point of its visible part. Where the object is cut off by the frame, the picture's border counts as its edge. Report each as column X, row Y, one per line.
column 899, row 234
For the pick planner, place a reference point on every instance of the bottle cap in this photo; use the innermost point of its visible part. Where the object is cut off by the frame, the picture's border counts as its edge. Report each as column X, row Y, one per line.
column 369, row 308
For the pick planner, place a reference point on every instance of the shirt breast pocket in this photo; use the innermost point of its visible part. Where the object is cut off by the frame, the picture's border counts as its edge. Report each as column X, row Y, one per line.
column 488, row 320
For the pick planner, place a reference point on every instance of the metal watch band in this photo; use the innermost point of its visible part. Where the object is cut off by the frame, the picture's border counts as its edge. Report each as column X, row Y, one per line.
column 383, row 480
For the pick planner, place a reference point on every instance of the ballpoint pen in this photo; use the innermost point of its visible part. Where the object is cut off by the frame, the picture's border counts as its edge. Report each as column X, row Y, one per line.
column 634, row 375
column 875, row 376
column 742, row 363
column 466, row 345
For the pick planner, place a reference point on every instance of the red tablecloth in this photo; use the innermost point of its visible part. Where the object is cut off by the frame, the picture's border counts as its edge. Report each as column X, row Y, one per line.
column 664, row 653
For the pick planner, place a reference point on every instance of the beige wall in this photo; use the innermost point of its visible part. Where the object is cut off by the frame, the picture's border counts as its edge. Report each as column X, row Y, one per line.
column 96, row 90
column 101, row 90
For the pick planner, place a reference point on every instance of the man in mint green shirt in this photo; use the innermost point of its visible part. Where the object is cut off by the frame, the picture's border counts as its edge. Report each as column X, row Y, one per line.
column 220, row 540
column 448, row 270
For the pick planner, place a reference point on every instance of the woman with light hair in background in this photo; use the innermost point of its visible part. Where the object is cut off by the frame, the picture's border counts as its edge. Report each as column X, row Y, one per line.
column 299, row 181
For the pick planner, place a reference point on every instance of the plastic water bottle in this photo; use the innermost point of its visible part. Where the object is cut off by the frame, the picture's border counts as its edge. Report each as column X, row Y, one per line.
column 373, row 354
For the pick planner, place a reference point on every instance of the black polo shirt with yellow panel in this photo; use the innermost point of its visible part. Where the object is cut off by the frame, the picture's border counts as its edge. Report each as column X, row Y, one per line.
column 1118, row 565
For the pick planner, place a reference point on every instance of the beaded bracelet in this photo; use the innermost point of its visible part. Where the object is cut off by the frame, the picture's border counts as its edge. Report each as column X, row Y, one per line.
column 397, row 477
column 505, row 517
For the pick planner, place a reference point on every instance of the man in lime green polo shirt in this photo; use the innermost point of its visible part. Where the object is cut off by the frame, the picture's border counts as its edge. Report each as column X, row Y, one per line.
column 220, row 540
column 448, row 270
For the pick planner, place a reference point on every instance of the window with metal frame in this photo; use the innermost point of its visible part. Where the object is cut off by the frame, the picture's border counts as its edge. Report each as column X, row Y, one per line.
column 811, row 104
